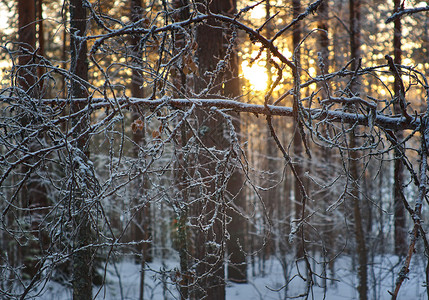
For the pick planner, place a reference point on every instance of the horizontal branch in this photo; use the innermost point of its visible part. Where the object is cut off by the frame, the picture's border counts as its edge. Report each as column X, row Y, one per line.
column 379, row 120
column 352, row 100
column 406, row 11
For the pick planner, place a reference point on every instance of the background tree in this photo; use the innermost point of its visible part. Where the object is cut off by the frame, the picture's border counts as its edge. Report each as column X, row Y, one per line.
column 355, row 194
column 299, row 196
column 140, row 225
column 34, row 193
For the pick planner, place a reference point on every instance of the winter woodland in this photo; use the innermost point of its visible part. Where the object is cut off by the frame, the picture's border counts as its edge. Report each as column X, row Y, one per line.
column 223, row 149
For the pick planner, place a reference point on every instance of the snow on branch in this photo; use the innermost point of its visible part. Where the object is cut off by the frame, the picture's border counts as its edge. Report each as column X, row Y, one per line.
column 382, row 121
column 406, row 11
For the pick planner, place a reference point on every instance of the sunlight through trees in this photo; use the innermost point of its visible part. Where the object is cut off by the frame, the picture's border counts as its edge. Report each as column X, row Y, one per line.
column 219, row 149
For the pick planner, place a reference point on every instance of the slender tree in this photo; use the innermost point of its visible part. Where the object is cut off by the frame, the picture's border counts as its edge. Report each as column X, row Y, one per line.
column 34, row 195
column 400, row 234
column 271, row 152
column 27, row 39
column 325, row 153
column 140, row 226
column 237, row 243
column 323, row 39
column 82, row 188
column 297, row 138
column 41, row 40
column 355, row 51
column 182, row 165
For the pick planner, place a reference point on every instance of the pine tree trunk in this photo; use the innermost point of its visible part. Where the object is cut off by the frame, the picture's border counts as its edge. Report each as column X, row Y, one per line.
column 297, row 139
column 325, row 153
column 27, row 39
column 41, row 40
column 237, row 244
column 140, row 227
column 33, row 194
column 398, row 193
column 82, row 252
column 210, row 269
column 355, row 50
column 211, row 46
column 358, row 224
column 271, row 152
column 182, row 166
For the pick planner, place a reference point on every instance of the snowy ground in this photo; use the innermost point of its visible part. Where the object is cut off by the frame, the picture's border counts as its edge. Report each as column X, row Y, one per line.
column 122, row 282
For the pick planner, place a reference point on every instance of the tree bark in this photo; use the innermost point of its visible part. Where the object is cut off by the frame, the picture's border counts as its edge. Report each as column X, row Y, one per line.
column 82, row 252
column 210, row 269
column 358, row 223
column 211, row 46
column 355, row 51
column 297, row 139
column 182, row 168
column 41, row 50
column 64, row 49
column 140, row 227
column 323, row 38
column 325, row 153
column 33, row 195
column 27, row 39
column 399, row 199
column 271, row 195
column 237, row 244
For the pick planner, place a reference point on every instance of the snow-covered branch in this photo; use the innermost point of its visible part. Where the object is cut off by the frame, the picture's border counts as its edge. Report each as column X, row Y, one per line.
column 380, row 120
column 406, row 11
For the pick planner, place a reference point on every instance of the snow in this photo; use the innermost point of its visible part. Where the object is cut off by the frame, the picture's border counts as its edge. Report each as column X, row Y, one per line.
column 122, row 282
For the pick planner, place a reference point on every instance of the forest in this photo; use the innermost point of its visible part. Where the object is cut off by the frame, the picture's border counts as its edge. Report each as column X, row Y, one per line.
column 214, row 149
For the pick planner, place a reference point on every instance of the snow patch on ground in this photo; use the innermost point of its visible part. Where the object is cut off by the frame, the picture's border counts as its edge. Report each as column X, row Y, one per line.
column 123, row 281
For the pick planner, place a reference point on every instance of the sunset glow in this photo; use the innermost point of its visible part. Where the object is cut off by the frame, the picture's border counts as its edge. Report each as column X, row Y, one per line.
column 256, row 75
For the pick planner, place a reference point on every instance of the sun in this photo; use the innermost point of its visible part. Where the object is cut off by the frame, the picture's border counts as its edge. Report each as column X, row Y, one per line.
column 256, row 75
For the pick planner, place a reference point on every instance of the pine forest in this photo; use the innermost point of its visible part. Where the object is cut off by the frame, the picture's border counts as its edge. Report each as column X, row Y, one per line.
column 214, row 149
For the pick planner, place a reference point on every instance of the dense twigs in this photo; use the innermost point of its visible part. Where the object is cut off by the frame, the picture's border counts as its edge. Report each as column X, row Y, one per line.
column 417, row 212
column 380, row 120
column 175, row 170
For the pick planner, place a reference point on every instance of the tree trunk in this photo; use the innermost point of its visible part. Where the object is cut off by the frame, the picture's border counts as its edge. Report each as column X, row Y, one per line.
column 355, row 50
column 271, row 153
column 297, row 139
column 140, row 227
column 399, row 209
column 27, row 39
column 210, row 269
column 33, row 195
column 358, row 224
column 82, row 252
column 237, row 244
column 211, row 46
column 41, row 40
column 181, row 174
column 323, row 39
column 325, row 153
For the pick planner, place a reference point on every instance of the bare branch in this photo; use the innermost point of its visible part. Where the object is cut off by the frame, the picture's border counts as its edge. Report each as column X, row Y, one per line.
column 382, row 121
column 406, row 11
